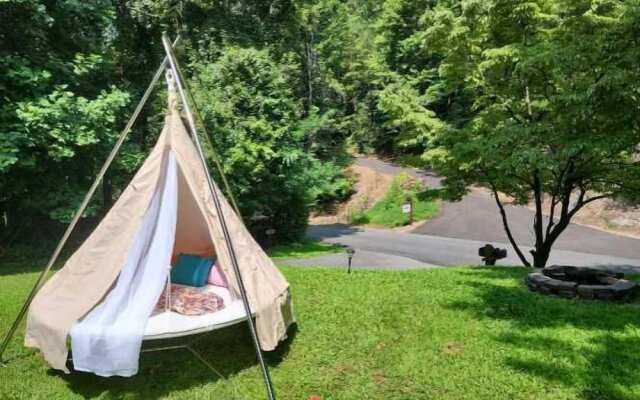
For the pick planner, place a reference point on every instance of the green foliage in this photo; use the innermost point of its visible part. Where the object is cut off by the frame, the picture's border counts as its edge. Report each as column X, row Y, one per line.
column 343, row 69
column 247, row 100
column 530, row 98
column 59, row 114
column 388, row 211
column 416, row 125
column 330, row 184
column 56, row 133
column 67, row 93
column 552, row 90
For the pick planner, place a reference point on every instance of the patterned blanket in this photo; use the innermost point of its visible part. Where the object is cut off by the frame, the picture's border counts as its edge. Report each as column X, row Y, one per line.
column 189, row 300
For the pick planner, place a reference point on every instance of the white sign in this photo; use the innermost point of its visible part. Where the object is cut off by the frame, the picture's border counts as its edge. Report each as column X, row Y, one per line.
column 406, row 208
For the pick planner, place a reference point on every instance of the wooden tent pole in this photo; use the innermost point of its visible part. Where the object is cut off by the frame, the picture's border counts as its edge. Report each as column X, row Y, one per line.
column 223, row 223
column 85, row 202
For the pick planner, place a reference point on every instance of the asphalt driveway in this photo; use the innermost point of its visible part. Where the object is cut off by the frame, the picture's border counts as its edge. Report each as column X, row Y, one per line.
column 476, row 218
column 385, row 249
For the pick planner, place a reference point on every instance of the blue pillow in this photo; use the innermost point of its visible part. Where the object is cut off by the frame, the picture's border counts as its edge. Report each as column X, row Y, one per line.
column 191, row 270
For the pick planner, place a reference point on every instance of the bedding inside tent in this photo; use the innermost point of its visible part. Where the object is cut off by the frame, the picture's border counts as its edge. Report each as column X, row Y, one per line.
column 170, row 324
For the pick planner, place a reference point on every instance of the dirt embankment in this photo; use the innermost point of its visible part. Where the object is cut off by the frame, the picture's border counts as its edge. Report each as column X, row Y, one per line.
column 370, row 186
column 611, row 216
column 607, row 215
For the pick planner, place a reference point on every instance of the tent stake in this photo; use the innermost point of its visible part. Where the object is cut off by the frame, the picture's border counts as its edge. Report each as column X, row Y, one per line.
column 223, row 224
column 83, row 206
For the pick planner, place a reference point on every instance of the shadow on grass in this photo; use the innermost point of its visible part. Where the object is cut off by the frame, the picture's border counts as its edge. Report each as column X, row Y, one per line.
column 605, row 368
column 33, row 256
column 590, row 346
column 23, row 262
column 302, row 249
column 230, row 351
column 13, row 268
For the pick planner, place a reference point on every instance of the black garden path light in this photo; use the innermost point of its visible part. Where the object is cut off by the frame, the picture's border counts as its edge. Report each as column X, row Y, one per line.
column 350, row 253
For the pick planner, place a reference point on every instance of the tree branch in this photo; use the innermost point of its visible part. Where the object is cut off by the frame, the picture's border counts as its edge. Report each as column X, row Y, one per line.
column 552, row 212
column 514, row 115
column 503, row 214
column 538, row 219
column 556, row 192
column 599, row 197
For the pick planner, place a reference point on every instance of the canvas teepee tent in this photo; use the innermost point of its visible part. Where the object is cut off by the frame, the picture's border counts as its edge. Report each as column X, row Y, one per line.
column 114, row 279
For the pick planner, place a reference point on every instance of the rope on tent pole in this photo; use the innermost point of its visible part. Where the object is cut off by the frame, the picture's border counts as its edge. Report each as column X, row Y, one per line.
column 223, row 223
column 83, row 206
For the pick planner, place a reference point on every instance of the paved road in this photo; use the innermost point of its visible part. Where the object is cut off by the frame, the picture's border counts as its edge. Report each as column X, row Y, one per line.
column 432, row 250
column 476, row 218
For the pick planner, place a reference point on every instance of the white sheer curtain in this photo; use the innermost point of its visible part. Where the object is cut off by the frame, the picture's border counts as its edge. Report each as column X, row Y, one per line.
column 107, row 341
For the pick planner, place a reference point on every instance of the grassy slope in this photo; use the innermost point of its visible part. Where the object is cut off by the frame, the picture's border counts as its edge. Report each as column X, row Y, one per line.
column 440, row 334
column 388, row 210
column 389, row 213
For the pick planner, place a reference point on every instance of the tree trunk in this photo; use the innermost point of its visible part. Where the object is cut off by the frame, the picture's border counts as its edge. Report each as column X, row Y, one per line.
column 541, row 255
column 505, row 223
column 543, row 247
column 309, row 65
column 4, row 229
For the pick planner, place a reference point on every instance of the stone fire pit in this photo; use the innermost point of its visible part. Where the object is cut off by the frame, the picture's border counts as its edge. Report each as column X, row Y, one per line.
column 587, row 283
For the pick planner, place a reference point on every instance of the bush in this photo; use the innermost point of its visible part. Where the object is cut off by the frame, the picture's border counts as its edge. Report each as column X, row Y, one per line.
column 248, row 102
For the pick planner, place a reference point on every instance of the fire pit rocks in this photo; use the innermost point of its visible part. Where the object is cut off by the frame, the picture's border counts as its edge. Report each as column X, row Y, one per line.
column 587, row 283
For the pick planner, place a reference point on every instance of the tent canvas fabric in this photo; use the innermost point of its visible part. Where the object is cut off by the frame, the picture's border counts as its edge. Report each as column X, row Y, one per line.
column 107, row 341
column 91, row 272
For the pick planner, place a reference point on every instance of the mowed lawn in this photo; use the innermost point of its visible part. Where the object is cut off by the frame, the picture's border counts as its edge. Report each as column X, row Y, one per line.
column 461, row 333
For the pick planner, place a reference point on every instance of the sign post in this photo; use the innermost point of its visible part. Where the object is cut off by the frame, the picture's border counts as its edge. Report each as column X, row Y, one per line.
column 407, row 208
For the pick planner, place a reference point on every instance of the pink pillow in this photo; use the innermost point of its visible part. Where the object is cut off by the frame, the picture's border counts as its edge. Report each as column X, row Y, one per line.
column 216, row 277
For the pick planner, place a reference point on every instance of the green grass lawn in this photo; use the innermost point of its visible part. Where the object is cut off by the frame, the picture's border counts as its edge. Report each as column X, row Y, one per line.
column 303, row 249
column 462, row 333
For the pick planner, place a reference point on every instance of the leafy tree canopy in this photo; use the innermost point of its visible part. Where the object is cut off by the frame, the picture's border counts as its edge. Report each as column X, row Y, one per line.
column 536, row 99
column 554, row 104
